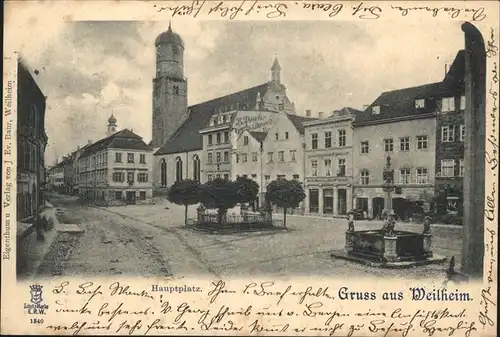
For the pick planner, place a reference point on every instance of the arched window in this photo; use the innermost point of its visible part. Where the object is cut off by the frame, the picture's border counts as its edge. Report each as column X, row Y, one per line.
column 178, row 169
column 196, row 168
column 163, row 172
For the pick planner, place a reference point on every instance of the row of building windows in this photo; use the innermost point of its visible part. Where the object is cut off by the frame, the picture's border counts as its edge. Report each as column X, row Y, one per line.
column 101, row 160
column 218, row 138
column 327, row 167
column 404, row 144
column 223, row 157
column 405, row 176
column 118, row 195
column 281, row 156
column 130, row 158
column 97, row 176
column 119, row 177
column 341, row 139
column 267, row 177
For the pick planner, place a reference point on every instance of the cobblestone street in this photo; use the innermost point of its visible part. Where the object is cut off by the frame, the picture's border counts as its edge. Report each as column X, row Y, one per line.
column 151, row 240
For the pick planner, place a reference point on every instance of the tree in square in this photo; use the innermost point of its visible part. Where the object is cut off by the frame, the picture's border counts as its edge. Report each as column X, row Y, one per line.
column 285, row 194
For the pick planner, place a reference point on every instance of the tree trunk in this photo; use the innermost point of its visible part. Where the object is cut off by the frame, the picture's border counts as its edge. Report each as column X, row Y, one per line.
column 284, row 217
column 185, row 214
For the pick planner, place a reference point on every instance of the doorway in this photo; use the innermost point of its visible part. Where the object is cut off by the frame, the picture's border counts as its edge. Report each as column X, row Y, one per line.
column 378, row 207
column 313, row 201
column 342, row 201
column 328, row 201
column 131, row 197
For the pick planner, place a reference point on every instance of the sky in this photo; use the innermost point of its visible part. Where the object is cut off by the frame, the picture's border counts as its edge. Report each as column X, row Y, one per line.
column 89, row 70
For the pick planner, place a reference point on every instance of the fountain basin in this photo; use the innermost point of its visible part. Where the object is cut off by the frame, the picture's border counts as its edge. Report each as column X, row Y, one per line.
column 372, row 247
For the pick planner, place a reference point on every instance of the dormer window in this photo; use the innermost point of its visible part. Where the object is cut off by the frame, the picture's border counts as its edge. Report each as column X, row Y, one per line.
column 212, row 122
column 448, row 104
column 376, row 110
column 419, row 103
column 221, row 120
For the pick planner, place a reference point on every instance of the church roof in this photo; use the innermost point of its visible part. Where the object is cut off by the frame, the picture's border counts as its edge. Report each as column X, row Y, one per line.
column 187, row 136
column 124, row 139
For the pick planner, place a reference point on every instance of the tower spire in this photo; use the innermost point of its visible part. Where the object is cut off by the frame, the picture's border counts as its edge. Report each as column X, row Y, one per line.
column 111, row 125
column 276, row 70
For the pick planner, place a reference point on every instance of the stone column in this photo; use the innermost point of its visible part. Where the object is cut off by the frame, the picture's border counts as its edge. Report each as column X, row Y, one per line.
column 320, row 200
column 307, row 200
column 427, row 237
column 349, row 203
column 335, row 201
column 390, row 254
column 474, row 153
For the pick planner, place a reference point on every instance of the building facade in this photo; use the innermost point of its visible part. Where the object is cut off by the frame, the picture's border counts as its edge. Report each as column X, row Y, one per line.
column 116, row 170
column 450, row 140
column 271, row 153
column 400, row 124
column 31, row 144
column 329, row 162
column 55, row 176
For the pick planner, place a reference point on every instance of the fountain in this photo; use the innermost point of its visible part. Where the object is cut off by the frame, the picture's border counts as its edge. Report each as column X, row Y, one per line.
column 388, row 247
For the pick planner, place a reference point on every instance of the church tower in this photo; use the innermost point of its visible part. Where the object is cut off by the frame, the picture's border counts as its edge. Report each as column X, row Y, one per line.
column 169, row 87
column 112, row 128
column 276, row 71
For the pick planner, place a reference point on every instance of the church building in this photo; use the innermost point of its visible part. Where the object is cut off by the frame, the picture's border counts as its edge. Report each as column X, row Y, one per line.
column 197, row 142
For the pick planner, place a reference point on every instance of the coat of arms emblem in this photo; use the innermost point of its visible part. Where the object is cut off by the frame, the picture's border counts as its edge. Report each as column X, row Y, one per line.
column 36, row 294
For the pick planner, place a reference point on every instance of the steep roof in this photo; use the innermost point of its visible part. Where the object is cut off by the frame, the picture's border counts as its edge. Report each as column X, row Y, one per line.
column 258, row 135
column 399, row 104
column 187, row 138
column 124, row 139
column 298, row 121
column 455, row 77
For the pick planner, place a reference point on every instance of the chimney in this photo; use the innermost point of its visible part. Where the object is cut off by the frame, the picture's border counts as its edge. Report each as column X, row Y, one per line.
column 445, row 69
column 308, row 113
column 321, row 114
column 89, row 142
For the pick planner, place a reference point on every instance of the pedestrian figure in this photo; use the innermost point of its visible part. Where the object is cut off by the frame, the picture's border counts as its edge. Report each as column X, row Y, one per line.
column 40, row 225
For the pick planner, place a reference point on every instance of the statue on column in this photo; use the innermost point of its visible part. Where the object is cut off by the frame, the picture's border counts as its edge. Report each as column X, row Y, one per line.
column 350, row 221
column 390, row 222
column 427, row 225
